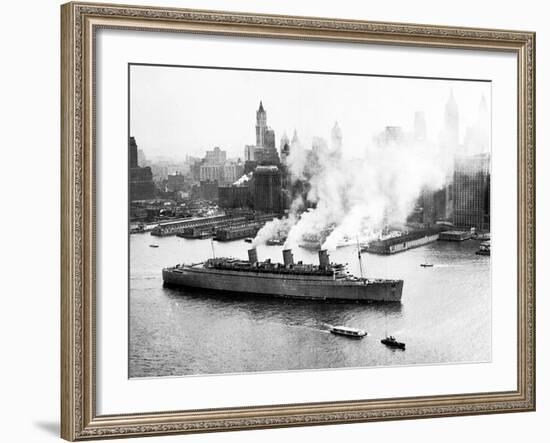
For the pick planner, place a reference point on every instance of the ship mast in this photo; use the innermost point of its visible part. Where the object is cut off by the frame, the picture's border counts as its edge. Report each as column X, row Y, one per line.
column 359, row 257
column 212, row 245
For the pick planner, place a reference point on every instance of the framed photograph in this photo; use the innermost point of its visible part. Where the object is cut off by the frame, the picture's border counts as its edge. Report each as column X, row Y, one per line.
column 282, row 221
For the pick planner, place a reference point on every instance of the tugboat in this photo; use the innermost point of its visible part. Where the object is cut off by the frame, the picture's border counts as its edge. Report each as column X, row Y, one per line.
column 348, row 332
column 276, row 241
column 391, row 342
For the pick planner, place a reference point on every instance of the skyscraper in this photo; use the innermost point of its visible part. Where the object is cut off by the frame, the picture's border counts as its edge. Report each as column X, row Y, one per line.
column 141, row 179
column 250, row 153
column 284, row 147
column 268, row 196
column 471, row 182
column 215, row 157
column 478, row 136
column 266, row 151
column 269, row 139
column 133, row 152
column 451, row 136
column 419, row 126
column 392, row 135
column 261, row 126
column 212, row 167
column 450, row 143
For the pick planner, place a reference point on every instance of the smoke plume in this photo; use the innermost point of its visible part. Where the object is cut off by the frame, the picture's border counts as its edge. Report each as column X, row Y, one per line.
column 357, row 198
column 279, row 228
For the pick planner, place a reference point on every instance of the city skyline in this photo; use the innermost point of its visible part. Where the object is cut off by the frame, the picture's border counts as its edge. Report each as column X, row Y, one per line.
column 404, row 169
column 363, row 106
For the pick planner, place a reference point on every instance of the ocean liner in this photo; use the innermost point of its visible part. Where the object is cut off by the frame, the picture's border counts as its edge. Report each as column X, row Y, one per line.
column 326, row 281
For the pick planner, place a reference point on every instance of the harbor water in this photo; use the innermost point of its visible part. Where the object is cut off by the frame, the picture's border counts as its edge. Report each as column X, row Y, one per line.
column 444, row 316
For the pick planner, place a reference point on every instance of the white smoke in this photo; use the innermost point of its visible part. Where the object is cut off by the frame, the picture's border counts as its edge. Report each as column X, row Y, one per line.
column 279, row 228
column 297, row 159
column 358, row 197
column 243, row 179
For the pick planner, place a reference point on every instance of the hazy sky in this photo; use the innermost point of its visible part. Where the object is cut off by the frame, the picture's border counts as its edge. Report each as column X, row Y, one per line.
column 176, row 111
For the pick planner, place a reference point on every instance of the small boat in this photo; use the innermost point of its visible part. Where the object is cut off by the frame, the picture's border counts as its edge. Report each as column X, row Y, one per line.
column 137, row 229
column 426, row 265
column 393, row 343
column 483, row 237
column 153, row 246
column 276, row 241
column 249, row 240
column 348, row 332
column 484, row 248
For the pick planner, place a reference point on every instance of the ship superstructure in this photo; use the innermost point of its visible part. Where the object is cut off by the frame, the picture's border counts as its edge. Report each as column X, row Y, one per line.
column 325, row 281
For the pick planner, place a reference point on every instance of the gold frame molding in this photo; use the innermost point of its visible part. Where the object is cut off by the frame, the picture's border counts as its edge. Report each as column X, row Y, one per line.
column 79, row 21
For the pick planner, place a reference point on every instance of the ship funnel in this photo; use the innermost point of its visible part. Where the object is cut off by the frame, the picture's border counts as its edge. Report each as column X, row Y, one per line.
column 287, row 257
column 252, row 256
column 324, row 261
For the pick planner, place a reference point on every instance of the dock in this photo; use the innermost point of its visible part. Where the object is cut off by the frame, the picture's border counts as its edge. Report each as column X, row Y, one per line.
column 455, row 236
column 197, row 227
column 403, row 242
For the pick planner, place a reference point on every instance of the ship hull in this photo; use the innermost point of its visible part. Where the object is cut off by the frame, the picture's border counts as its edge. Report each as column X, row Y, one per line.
column 291, row 286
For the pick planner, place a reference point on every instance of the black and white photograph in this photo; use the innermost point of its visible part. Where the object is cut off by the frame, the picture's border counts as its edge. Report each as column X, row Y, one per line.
column 292, row 220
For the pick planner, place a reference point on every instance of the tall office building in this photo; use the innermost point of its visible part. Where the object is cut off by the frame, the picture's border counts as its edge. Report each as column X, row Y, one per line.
column 419, row 126
column 284, row 147
column 234, row 197
column 392, row 135
column 261, row 126
column 268, row 196
column 250, row 153
column 141, row 179
column 266, row 151
column 269, row 139
column 450, row 143
column 232, row 171
column 175, row 182
column 471, row 192
column 477, row 139
column 451, row 121
column 216, row 167
column 133, row 152
column 215, row 157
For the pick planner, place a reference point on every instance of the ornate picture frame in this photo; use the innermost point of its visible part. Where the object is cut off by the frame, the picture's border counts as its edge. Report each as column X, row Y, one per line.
column 80, row 22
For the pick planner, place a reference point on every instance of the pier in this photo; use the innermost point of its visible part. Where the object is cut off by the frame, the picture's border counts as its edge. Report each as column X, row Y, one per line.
column 201, row 226
column 403, row 242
